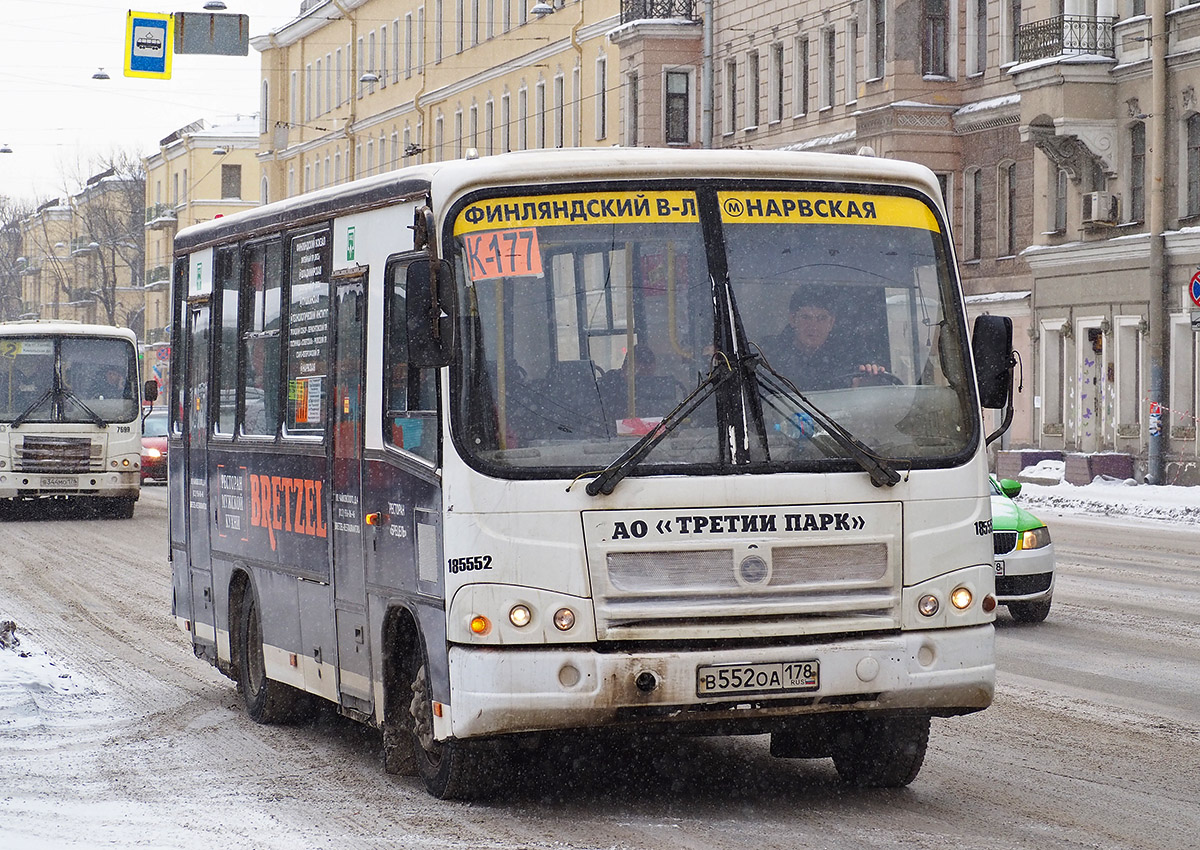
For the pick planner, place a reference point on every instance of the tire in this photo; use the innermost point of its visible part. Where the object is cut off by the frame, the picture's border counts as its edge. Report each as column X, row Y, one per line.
column 1029, row 612
column 121, row 507
column 451, row 770
column 267, row 701
column 881, row 751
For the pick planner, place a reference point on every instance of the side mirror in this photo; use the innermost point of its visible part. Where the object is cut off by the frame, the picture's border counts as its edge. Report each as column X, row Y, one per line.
column 991, row 342
column 150, row 391
column 1010, row 487
column 429, row 301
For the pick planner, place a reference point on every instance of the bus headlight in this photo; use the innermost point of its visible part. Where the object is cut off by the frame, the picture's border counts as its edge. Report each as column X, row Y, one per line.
column 520, row 615
column 928, row 605
column 961, row 598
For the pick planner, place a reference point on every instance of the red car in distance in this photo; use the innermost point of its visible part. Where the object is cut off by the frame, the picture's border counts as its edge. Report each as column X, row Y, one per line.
column 154, row 446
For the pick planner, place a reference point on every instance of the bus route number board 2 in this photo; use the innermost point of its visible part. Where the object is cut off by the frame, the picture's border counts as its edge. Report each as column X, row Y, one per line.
column 767, row 678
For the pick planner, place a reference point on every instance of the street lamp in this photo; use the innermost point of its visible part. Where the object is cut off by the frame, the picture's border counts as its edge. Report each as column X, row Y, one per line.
column 214, row 6
column 100, row 75
column 5, row 148
column 219, row 150
column 541, row 9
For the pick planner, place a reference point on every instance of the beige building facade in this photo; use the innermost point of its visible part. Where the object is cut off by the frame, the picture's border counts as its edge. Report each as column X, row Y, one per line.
column 356, row 87
column 83, row 255
column 198, row 173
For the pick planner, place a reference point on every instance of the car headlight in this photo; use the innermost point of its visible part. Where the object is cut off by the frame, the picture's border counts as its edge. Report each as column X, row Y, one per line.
column 151, row 453
column 1035, row 538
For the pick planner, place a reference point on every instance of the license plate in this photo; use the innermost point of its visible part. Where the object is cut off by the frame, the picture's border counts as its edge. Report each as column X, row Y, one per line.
column 774, row 678
column 60, row 481
column 999, row 566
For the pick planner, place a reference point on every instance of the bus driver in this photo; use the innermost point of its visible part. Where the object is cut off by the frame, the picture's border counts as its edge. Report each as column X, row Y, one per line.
column 807, row 352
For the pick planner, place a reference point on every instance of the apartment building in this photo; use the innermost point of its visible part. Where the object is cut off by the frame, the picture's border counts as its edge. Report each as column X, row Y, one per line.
column 199, row 172
column 83, row 255
column 356, row 87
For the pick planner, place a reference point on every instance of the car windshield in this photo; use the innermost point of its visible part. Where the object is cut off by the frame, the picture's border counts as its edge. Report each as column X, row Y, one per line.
column 67, row 379
column 585, row 325
column 155, row 425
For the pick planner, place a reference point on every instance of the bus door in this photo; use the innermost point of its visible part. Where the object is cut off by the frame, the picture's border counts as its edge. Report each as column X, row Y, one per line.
column 345, row 477
column 196, row 473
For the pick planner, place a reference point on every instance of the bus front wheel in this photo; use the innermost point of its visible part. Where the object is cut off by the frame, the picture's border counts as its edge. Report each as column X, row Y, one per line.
column 122, row 507
column 451, row 770
column 267, row 701
column 881, row 751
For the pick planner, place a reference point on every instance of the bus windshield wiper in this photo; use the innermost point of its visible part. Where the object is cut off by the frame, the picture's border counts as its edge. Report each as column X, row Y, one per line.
column 881, row 472
column 20, row 420
column 95, row 417
column 608, row 479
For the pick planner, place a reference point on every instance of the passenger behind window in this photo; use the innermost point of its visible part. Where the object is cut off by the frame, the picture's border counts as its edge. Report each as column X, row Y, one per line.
column 654, row 395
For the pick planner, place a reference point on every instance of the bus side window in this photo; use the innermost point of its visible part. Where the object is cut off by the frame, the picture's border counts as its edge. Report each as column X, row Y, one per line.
column 261, row 339
column 410, row 419
column 179, row 285
column 224, row 378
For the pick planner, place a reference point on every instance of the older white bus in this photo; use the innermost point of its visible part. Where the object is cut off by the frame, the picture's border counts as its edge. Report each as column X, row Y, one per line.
column 70, row 415
column 488, row 448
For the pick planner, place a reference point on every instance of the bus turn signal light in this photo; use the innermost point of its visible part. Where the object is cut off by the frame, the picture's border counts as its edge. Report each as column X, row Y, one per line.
column 480, row 625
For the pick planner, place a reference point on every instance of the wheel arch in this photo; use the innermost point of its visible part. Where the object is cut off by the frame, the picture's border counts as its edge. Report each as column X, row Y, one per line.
column 402, row 646
column 239, row 586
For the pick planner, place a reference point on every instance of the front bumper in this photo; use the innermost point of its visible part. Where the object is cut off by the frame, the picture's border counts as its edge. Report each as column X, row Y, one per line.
column 34, row 484
column 1028, row 575
column 497, row 690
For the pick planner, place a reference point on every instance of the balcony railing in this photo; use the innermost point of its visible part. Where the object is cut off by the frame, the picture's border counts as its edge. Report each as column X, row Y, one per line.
column 1066, row 34
column 160, row 211
column 157, row 275
column 80, row 244
column 637, row 10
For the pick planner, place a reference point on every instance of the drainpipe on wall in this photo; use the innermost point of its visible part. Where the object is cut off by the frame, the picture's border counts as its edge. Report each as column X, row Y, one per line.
column 706, row 82
column 1158, row 283
column 348, row 130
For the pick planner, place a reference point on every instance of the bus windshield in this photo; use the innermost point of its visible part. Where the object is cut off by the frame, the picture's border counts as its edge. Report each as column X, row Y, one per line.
column 67, row 379
column 588, row 321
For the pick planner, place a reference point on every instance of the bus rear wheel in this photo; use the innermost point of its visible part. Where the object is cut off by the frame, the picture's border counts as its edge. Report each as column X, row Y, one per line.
column 451, row 770
column 267, row 701
column 881, row 751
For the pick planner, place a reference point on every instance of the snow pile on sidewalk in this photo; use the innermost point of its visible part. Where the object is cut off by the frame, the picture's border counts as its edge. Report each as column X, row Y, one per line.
column 32, row 684
column 1043, row 485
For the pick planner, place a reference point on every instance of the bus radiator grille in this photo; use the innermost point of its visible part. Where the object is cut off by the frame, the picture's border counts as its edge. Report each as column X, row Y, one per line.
column 57, row 454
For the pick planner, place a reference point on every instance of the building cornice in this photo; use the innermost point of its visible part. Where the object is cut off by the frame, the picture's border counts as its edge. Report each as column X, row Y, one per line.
column 1134, row 248
column 655, row 28
column 304, row 25
column 988, row 114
